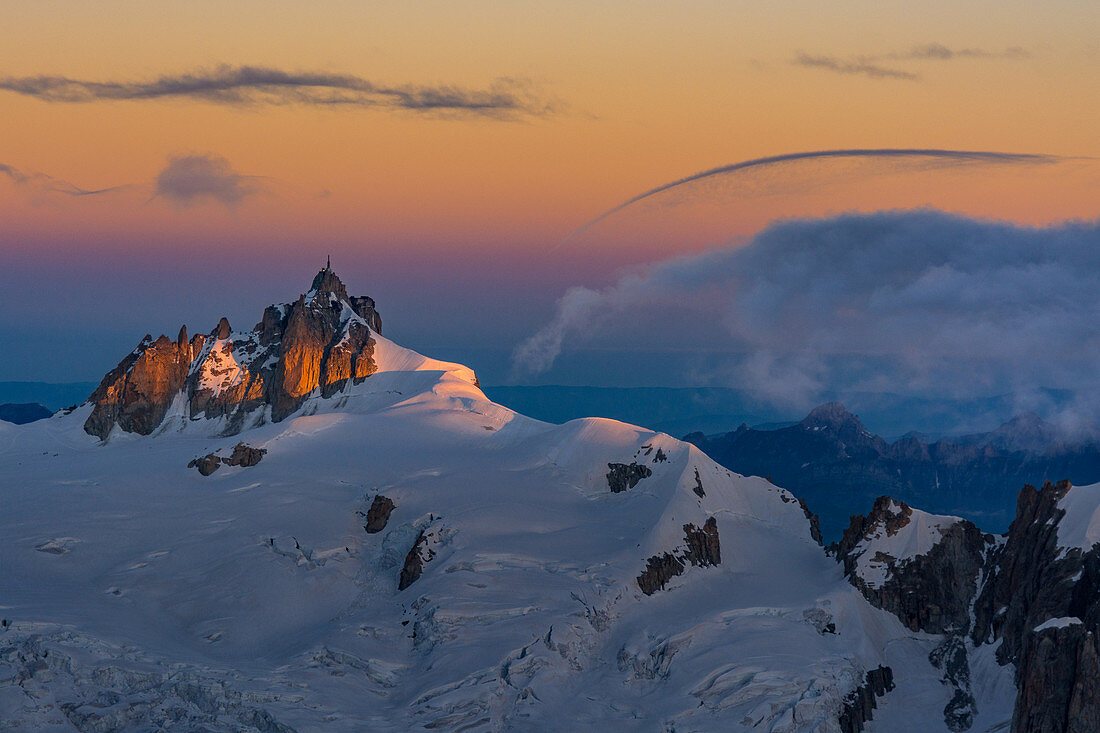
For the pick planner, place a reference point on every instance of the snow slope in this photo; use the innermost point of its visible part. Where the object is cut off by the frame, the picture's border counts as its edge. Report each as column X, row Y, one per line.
column 137, row 594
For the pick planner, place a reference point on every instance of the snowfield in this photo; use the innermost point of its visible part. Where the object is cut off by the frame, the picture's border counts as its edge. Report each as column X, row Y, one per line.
column 137, row 594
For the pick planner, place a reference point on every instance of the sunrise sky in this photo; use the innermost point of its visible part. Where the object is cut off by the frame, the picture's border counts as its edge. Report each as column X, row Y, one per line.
column 440, row 151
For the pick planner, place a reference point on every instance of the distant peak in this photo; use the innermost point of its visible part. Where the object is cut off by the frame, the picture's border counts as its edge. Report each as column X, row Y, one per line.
column 830, row 415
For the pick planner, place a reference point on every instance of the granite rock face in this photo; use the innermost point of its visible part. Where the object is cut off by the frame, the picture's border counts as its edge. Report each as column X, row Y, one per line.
column 318, row 344
column 929, row 592
column 1041, row 603
column 137, row 393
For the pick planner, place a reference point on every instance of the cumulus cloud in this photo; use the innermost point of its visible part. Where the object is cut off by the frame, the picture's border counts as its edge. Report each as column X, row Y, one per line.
column 916, row 303
column 259, row 85
column 873, row 66
column 192, row 178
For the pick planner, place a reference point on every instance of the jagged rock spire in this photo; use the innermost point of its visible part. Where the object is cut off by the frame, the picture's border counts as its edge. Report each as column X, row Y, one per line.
column 296, row 350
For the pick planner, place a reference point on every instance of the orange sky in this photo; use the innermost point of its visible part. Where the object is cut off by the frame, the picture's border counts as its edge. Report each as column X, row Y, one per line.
column 643, row 93
column 423, row 209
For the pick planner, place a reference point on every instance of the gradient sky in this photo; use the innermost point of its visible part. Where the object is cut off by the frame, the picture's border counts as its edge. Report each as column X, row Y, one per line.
column 449, row 217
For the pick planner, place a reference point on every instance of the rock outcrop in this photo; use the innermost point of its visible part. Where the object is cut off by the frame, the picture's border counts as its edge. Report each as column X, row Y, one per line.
column 318, row 344
column 378, row 514
column 243, row 455
column 623, row 476
column 860, row 705
column 702, row 549
column 419, row 555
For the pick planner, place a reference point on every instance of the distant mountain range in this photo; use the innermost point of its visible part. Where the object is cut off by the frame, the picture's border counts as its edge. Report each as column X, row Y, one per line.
column 24, row 412
column 52, row 395
column 838, row 467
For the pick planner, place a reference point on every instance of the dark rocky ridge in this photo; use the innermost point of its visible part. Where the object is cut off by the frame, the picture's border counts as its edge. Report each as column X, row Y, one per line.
column 419, row 555
column 832, row 462
column 703, row 550
column 1033, row 581
column 970, row 587
column 295, row 349
column 622, row 476
column 860, row 705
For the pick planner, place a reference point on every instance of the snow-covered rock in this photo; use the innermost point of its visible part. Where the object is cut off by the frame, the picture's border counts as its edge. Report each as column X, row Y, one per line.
column 255, row 599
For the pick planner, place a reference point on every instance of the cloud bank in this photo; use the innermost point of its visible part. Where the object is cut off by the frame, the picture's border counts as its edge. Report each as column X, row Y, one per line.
column 917, row 303
column 260, row 85
column 189, row 179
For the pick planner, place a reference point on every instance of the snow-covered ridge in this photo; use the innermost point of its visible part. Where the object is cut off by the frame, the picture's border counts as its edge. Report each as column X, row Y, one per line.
column 1080, row 526
column 501, row 592
column 898, row 535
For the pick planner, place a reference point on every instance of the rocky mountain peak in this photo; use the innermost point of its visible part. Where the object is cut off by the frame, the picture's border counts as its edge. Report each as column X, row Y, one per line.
column 1027, row 432
column 326, row 282
column 831, row 415
column 318, row 344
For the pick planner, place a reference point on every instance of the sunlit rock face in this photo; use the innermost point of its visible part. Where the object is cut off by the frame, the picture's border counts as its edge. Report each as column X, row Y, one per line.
column 319, row 343
column 137, row 393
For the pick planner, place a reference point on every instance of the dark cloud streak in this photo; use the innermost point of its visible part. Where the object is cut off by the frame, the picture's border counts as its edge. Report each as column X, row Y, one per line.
column 960, row 157
column 861, row 66
column 49, row 184
column 258, row 85
column 872, row 66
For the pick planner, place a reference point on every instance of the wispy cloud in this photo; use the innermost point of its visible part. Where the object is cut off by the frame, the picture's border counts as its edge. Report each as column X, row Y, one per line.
column 48, row 184
column 873, row 66
column 939, row 52
column 932, row 155
column 259, row 85
column 188, row 179
column 864, row 66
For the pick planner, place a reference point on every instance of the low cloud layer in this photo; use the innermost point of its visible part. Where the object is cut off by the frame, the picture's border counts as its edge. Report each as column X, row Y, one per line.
column 190, row 179
column 884, row 66
column 259, row 85
column 918, row 303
